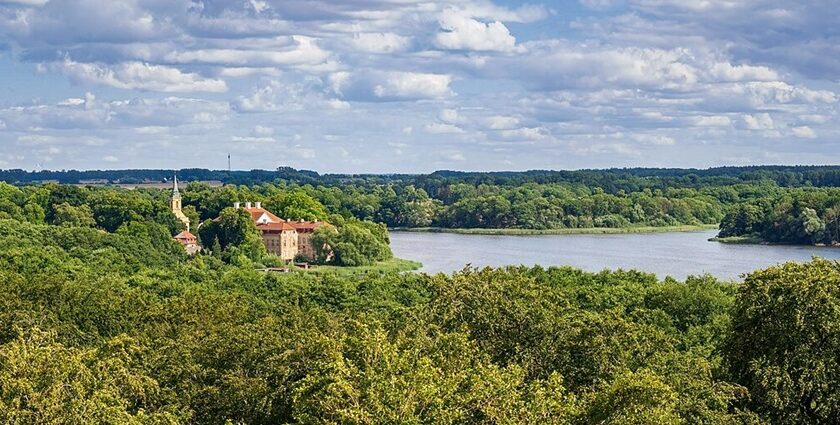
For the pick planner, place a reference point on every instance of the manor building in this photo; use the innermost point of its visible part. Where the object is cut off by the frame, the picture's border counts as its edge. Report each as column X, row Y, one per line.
column 287, row 239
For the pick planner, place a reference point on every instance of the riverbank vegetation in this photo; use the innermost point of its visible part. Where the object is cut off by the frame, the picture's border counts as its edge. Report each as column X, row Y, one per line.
column 577, row 231
column 533, row 200
column 123, row 327
column 796, row 216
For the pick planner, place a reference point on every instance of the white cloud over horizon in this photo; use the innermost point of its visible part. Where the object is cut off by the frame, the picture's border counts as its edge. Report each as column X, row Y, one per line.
column 482, row 84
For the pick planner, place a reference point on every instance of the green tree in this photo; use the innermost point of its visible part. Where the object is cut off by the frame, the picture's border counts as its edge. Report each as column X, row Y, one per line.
column 784, row 342
column 352, row 243
column 296, row 205
column 234, row 229
column 67, row 215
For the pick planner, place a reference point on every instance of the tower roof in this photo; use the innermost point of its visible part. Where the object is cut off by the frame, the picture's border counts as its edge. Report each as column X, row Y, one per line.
column 175, row 192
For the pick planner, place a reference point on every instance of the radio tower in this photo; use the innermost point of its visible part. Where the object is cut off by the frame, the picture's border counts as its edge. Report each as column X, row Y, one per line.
column 228, row 163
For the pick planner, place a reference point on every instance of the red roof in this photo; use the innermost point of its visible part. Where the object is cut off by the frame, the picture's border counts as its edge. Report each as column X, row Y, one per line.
column 275, row 227
column 256, row 213
column 185, row 235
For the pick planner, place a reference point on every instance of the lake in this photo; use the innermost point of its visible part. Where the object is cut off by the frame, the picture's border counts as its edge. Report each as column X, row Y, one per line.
column 666, row 254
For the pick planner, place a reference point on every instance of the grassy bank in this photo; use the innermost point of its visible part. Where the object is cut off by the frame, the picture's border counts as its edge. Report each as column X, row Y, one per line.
column 739, row 240
column 584, row 231
column 394, row 265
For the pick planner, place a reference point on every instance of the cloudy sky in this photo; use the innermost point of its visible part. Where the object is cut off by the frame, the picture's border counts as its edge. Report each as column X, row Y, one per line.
column 416, row 86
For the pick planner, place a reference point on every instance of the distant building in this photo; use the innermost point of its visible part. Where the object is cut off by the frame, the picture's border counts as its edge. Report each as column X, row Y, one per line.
column 286, row 239
column 186, row 238
column 189, row 241
column 175, row 204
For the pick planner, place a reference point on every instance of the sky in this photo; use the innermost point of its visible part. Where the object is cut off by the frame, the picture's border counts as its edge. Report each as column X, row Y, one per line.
column 383, row 86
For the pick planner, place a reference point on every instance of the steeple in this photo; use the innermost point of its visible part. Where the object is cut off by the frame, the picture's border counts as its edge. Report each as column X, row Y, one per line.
column 175, row 193
column 175, row 204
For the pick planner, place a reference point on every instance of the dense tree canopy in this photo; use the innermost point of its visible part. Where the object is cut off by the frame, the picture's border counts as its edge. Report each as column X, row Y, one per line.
column 123, row 327
column 105, row 319
column 800, row 216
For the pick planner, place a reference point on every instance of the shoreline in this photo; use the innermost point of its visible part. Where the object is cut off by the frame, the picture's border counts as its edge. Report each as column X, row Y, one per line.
column 754, row 240
column 394, row 265
column 566, row 231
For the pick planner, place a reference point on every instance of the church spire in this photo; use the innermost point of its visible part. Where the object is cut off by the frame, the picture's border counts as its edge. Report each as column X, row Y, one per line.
column 175, row 192
column 175, row 204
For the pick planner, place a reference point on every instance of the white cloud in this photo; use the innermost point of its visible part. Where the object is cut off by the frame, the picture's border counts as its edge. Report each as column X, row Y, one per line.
column 139, row 76
column 452, row 116
column 804, row 132
column 390, row 86
column 502, row 122
column 526, row 133
column 301, row 51
column 439, row 128
column 724, row 71
column 110, row 158
column 609, row 86
column 654, row 139
column 262, row 131
column 461, row 32
column 145, row 116
column 713, row 121
column 412, row 85
column 556, row 64
column 759, row 122
column 277, row 95
column 26, row 2
column 380, row 42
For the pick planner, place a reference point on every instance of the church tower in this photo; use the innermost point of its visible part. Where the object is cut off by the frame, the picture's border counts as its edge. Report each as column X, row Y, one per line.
column 175, row 204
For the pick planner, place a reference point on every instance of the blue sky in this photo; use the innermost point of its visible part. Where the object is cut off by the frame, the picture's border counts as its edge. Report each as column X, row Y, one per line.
column 415, row 86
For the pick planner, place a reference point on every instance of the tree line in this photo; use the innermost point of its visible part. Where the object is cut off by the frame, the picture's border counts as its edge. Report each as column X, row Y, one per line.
column 227, row 233
column 122, row 327
column 796, row 216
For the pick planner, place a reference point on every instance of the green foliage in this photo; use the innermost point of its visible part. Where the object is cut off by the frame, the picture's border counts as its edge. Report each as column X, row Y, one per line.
column 785, row 342
column 65, row 214
column 296, row 205
column 352, row 243
column 115, row 324
column 801, row 216
column 236, row 234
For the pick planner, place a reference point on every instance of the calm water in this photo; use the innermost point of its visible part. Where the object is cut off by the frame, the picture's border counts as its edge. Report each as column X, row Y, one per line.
column 666, row 254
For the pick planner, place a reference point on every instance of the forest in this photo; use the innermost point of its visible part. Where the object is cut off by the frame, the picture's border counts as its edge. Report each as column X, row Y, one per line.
column 227, row 233
column 794, row 216
column 122, row 327
column 105, row 319
column 794, row 205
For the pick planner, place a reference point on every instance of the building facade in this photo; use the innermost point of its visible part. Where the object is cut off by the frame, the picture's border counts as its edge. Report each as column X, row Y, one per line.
column 286, row 239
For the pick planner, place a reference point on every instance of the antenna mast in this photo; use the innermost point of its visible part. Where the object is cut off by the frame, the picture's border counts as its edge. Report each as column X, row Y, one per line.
column 228, row 163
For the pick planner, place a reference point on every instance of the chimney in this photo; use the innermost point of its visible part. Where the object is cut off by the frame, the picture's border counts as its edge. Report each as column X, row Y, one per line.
column 236, row 205
column 248, row 205
column 258, row 205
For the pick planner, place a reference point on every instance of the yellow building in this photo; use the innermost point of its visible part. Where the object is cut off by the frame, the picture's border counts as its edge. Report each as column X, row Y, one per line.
column 285, row 238
column 175, row 205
